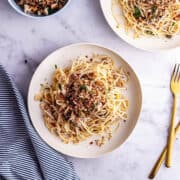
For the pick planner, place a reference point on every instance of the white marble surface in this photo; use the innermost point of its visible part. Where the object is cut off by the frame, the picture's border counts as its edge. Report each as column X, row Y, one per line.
column 27, row 39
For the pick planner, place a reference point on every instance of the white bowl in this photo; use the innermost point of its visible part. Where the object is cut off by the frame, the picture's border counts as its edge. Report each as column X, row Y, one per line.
column 20, row 11
column 113, row 15
column 63, row 57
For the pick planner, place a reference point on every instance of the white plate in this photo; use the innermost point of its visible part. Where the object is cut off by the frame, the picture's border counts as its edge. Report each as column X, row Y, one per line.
column 63, row 57
column 145, row 43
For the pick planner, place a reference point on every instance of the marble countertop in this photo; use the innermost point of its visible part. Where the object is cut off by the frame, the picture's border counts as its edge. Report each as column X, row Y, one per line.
column 23, row 39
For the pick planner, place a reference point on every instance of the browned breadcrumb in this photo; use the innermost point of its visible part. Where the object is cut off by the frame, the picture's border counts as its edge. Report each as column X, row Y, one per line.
column 41, row 7
column 100, row 141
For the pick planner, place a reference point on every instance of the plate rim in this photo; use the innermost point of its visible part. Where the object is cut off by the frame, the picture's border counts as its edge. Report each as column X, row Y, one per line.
column 127, row 41
column 138, row 113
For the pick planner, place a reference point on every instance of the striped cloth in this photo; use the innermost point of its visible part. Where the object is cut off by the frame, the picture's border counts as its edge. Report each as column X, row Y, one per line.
column 23, row 155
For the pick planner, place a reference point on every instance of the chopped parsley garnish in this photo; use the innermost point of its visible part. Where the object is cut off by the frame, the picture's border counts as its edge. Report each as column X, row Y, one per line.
column 83, row 87
column 149, row 32
column 51, row 11
column 173, row 23
column 55, row 66
column 154, row 8
column 93, row 106
column 137, row 12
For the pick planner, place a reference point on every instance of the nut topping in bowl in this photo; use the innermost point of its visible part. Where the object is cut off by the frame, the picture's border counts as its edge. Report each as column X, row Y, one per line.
column 41, row 7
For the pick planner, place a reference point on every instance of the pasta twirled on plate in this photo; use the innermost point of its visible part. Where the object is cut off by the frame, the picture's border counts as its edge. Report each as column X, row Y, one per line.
column 151, row 17
column 85, row 99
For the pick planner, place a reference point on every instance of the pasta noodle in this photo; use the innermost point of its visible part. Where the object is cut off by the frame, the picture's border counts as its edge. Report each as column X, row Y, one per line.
column 85, row 99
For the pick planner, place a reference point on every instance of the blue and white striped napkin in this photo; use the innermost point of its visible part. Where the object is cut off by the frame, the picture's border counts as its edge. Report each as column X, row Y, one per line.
column 23, row 155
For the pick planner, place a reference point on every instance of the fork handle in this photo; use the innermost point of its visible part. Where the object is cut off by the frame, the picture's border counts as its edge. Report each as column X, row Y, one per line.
column 162, row 156
column 171, row 135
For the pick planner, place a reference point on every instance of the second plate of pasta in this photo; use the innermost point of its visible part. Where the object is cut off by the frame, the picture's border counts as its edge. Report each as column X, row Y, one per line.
column 148, row 25
column 84, row 103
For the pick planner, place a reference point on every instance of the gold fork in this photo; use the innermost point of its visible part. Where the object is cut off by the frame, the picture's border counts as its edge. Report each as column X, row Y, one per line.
column 175, row 89
column 162, row 157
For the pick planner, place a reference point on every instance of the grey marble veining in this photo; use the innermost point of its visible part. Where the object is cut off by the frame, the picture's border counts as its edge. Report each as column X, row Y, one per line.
column 25, row 42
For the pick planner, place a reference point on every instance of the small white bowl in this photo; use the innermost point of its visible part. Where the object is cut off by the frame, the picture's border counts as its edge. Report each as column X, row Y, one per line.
column 20, row 11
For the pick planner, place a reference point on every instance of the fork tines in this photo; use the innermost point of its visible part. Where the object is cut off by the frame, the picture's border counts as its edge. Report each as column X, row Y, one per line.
column 176, row 72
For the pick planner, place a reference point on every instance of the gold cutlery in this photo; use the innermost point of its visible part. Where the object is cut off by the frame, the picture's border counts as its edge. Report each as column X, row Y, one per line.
column 167, row 152
column 162, row 156
column 175, row 89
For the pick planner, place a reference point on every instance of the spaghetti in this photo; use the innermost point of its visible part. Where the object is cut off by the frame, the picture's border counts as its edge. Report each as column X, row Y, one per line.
column 85, row 99
column 151, row 17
